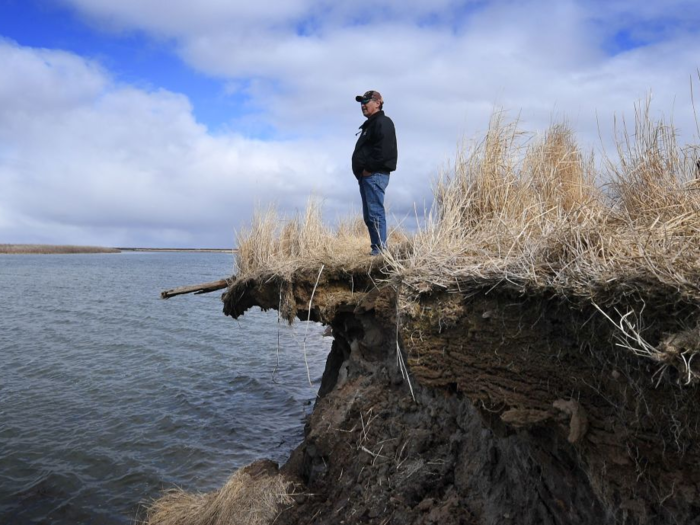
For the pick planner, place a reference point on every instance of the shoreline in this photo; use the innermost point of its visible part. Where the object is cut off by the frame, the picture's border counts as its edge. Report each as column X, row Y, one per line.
column 52, row 249
column 204, row 250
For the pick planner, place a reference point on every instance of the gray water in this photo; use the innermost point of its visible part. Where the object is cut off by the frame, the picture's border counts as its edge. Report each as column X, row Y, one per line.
column 109, row 394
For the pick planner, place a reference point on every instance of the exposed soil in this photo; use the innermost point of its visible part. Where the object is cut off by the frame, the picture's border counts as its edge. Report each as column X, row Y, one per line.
column 526, row 410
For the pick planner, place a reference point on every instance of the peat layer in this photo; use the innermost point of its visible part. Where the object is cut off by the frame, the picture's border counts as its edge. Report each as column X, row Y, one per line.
column 518, row 408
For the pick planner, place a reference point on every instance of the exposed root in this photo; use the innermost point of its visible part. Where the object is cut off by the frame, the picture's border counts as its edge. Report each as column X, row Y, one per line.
column 676, row 350
column 682, row 348
column 399, row 355
column 306, row 331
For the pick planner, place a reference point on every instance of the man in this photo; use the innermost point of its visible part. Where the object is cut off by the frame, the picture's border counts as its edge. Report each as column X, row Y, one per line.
column 373, row 160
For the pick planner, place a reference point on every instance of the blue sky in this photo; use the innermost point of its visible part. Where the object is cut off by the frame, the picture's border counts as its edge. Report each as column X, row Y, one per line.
column 131, row 56
column 162, row 123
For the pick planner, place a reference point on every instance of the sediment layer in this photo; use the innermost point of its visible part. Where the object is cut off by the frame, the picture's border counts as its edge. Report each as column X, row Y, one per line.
column 514, row 408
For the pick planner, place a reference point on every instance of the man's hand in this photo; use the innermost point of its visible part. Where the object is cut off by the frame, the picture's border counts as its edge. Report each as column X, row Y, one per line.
column 366, row 173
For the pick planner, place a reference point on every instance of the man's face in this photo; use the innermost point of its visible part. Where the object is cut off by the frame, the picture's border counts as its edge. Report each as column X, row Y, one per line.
column 369, row 107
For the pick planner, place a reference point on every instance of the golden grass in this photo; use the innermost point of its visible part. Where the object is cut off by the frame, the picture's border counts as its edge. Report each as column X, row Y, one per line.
column 273, row 244
column 52, row 249
column 547, row 224
column 651, row 180
column 529, row 212
column 245, row 499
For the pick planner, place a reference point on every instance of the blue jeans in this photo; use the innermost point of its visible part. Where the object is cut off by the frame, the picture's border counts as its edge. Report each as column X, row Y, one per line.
column 372, row 192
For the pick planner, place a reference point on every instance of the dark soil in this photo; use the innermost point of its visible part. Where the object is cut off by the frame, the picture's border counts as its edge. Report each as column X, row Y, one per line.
column 526, row 410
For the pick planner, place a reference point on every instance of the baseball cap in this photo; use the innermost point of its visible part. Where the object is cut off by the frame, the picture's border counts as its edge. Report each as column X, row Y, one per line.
column 369, row 95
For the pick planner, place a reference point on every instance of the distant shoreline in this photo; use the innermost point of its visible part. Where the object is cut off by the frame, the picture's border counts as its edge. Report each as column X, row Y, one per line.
column 215, row 250
column 51, row 249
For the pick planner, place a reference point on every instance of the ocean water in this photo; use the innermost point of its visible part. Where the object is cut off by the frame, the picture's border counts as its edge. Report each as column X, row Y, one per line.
column 109, row 394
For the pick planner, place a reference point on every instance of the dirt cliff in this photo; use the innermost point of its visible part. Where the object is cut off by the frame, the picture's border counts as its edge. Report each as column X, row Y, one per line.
column 490, row 404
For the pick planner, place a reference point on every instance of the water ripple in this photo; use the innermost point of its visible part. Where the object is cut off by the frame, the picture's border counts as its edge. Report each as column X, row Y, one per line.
column 109, row 394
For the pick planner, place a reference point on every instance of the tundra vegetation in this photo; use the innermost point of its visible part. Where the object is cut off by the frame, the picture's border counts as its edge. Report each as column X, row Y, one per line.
column 538, row 216
column 533, row 211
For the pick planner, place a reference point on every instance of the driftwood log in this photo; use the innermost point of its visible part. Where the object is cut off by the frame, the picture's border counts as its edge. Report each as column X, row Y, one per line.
column 196, row 288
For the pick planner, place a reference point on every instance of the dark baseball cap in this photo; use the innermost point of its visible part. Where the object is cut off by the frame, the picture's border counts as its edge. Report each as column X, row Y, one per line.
column 369, row 95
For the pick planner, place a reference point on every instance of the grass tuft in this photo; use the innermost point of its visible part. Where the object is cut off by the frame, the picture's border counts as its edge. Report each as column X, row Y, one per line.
column 531, row 212
column 247, row 498
column 280, row 246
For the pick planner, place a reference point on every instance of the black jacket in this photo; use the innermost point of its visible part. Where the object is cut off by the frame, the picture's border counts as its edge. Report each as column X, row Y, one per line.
column 376, row 149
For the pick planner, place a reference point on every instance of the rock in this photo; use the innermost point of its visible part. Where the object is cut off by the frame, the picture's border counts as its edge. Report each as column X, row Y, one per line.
column 578, row 424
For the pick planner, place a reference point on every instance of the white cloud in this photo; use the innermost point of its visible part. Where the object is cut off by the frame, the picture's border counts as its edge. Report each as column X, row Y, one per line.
column 134, row 160
column 174, row 18
column 116, row 164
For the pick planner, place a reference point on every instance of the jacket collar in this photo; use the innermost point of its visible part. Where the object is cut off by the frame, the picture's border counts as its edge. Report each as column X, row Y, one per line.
column 370, row 119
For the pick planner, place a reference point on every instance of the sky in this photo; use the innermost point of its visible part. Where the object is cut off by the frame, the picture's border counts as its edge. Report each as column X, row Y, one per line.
column 165, row 123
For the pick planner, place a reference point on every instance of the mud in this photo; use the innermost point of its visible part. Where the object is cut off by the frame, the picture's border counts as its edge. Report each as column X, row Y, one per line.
column 516, row 408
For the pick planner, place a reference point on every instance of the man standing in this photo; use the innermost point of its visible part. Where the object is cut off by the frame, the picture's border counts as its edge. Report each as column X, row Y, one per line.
column 373, row 160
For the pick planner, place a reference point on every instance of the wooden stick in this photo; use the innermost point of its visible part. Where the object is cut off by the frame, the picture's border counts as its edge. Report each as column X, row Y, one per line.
column 195, row 288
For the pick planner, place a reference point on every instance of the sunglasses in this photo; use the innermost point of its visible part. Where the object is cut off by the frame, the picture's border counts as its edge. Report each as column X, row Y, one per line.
column 366, row 101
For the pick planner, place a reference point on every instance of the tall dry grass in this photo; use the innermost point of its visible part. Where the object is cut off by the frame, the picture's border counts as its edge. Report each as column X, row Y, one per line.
column 652, row 176
column 281, row 246
column 542, row 215
column 529, row 211
column 245, row 499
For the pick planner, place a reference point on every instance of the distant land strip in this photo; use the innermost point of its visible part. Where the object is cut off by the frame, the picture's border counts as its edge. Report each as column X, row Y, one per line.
column 52, row 249
column 217, row 250
column 19, row 249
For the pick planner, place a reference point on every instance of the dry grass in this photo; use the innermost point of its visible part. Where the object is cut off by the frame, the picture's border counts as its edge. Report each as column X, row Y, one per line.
column 542, row 222
column 532, row 212
column 280, row 246
column 246, row 499
column 651, row 179
column 52, row 249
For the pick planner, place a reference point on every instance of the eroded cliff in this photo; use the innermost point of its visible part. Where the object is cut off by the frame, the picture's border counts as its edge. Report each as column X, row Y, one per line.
column 513, row 407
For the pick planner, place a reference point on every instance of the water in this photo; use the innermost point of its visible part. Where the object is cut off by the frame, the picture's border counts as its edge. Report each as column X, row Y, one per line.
column 109, row 394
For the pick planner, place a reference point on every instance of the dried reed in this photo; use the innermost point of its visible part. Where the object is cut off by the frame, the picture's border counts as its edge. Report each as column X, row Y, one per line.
column 526, row 211
column 275, row 245
column 244, row 500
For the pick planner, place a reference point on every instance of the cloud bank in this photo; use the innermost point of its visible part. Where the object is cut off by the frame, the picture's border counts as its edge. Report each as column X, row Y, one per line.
column 85, row 158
